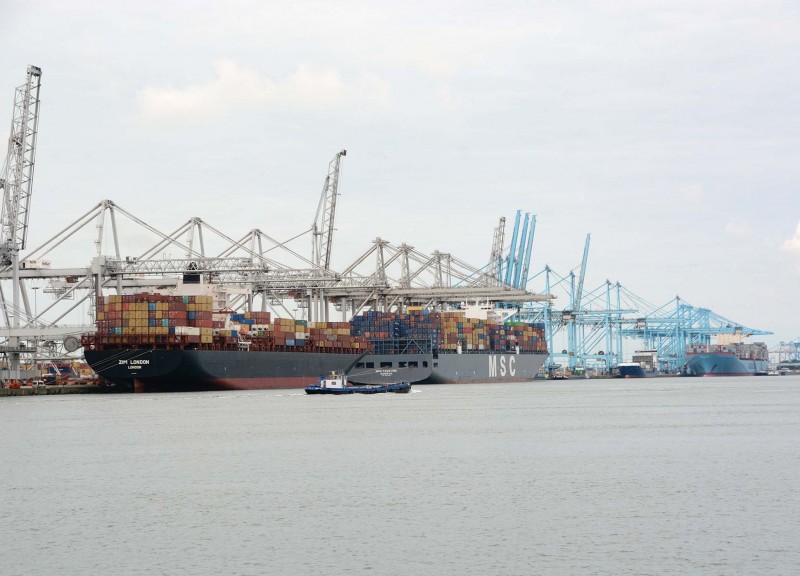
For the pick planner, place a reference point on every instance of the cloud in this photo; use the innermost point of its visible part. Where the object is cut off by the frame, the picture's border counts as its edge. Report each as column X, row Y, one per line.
column 235, row 88
column 444, row 96
column 736, row 228
column 692, row 192
column 793, row 244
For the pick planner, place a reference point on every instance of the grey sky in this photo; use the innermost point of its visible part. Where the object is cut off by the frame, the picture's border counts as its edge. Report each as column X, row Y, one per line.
column 667, row 129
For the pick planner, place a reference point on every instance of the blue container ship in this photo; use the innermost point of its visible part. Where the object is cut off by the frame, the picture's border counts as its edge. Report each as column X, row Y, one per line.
column 727, row 360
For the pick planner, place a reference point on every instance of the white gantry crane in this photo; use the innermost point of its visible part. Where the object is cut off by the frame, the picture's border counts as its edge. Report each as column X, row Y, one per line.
column 322, row 229
column 17, row 184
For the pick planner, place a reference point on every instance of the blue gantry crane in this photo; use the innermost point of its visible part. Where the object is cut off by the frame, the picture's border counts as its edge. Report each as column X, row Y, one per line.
column 677, row 325
column 597, row 321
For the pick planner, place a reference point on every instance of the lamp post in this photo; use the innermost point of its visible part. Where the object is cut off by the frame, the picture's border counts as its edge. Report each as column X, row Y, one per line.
column 35, row 340
column 35, row 309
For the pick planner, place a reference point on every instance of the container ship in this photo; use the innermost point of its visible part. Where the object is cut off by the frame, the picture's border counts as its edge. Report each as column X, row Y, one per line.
column 163, row 343
column 727, row 360
column 643, row 364
column 629, row 370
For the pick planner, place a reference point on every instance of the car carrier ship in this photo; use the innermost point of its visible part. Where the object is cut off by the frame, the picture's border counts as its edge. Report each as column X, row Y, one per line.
column 161, row 342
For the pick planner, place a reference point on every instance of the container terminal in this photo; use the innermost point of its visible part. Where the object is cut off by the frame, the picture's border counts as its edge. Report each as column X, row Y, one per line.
column 51, row 313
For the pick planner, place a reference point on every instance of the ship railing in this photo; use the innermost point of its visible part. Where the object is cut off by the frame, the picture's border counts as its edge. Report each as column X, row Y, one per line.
column 441, row 351
column 172, row 341
column 392, row 346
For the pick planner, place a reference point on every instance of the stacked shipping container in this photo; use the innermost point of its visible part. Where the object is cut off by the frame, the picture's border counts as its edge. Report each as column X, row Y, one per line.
column 751, row 351
column 153, row 319
column 335, row 335
column 447, row 331
column 148, row 320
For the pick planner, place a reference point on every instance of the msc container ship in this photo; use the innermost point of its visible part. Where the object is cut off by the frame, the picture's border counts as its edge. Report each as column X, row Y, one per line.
column 727, row 360
column 159, row 343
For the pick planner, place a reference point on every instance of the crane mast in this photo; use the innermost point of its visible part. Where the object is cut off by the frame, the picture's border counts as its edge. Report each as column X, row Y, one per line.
column 322, row 230
column 16, row 183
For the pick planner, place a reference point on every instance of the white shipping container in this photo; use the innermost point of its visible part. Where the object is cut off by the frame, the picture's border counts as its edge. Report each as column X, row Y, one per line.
column 187, row 331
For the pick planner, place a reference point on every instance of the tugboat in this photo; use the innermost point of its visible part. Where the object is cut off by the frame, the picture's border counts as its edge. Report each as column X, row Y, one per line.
column 337, row 384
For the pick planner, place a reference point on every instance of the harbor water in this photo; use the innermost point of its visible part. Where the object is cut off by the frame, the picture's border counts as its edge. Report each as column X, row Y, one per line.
column 649, row 476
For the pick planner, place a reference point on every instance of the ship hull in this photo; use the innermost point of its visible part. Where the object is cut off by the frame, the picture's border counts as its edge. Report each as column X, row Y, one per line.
column 482, row 367
column 630, row 371
column 455, row 368
column 721, row 364
column 155, row 370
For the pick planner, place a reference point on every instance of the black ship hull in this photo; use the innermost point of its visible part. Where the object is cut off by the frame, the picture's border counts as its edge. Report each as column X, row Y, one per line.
column 180, row 370
column 155, row 370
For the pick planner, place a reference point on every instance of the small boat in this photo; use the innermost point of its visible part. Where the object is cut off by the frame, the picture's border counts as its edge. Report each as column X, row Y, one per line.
column 337, row 384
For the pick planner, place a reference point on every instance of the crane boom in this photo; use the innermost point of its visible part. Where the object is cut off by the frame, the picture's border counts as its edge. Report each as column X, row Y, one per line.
column 17, row 178
column 322, row 237
column 527, row 263
column 520, row 253
column 512, row 250
column 577, row 303
column 496, row 257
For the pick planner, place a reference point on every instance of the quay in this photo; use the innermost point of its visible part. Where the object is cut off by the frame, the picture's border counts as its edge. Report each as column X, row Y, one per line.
column 46, row 390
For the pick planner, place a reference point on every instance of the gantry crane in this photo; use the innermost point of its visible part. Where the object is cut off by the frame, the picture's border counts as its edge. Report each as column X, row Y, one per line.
column 17, row 184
